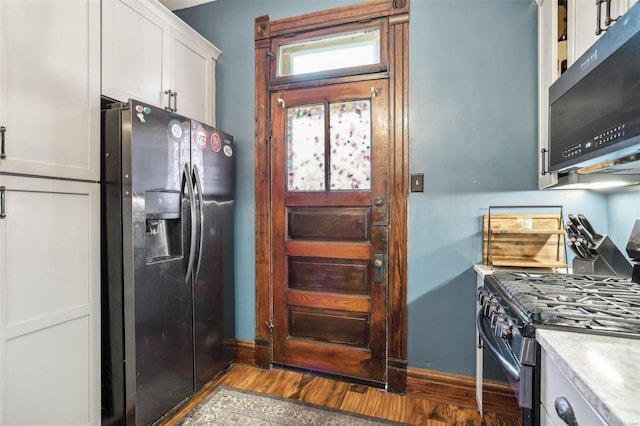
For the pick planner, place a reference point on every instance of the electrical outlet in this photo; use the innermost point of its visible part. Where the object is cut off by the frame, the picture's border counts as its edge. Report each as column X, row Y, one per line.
column 417, row 182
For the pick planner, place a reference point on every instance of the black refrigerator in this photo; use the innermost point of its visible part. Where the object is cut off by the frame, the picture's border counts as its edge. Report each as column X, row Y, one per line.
column 167, row 259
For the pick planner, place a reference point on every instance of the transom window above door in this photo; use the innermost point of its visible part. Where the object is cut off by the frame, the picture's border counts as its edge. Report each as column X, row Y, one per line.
column 337, row 51
column 356, row 49
column 329, row 146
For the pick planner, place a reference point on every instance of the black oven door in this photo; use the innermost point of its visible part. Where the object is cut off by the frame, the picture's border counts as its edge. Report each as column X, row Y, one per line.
column 517, row 356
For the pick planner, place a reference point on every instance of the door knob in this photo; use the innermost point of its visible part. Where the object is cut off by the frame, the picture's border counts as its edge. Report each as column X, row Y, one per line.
column 378, row 266
column 379, row 202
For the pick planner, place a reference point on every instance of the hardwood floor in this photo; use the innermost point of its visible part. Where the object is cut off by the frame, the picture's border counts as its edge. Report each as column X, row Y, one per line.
column 345, row 396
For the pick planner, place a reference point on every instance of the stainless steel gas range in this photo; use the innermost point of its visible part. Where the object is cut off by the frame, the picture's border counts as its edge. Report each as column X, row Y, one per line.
column 512, row 305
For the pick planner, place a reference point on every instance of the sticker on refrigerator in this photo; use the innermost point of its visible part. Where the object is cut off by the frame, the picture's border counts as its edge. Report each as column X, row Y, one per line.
column 175, row 130
column 228, row 151
column 216, row 143
column 200, row 137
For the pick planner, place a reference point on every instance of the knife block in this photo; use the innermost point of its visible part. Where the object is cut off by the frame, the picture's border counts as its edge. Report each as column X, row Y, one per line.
column 607, row 260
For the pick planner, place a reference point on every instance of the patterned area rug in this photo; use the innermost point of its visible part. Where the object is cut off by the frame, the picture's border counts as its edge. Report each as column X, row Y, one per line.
column 230, row 406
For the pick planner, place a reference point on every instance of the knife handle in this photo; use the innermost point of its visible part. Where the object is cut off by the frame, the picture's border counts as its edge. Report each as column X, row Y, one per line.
column 584, row 252
column 571, row 229
column 573, row 249
column 573, row 219
column 587, row 225
column 586, row 235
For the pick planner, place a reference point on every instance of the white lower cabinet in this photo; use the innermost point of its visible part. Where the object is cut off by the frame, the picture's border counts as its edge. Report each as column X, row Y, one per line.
column 556, row 387
column 49, row 302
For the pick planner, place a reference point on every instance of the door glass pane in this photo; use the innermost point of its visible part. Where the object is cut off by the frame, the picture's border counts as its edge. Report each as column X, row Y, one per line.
column 350, row 145
column 305, row 148
column 329, row 53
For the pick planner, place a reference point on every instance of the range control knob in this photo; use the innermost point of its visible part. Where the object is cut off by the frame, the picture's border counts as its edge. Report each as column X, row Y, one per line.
column 482, row 295
column 490, row 306
column 499, row 313
column 499, row 325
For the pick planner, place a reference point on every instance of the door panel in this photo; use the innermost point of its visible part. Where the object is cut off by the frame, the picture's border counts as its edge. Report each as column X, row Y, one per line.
column 329, row 223
column 334, row 275
column 330, row 218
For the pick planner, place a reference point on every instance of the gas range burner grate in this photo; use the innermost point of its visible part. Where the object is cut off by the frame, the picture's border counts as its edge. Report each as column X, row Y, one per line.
column 588, row 302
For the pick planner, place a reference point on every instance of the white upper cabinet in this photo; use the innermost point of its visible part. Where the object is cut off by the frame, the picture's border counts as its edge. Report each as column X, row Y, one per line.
column 50, row 88
column 149, row 54
column 193, row 78
column 550, row 56
column 135, row 56
column 583, row 24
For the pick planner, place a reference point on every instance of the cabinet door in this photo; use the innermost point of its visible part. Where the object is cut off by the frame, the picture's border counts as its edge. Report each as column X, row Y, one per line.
column 50, row 87
column 193, row 78
column 547, row 74
column 582, row 22
column 134, row 52
column 49, row 302
column 554, row 384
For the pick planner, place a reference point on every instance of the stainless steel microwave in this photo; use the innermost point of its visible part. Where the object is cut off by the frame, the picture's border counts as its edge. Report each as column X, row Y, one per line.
column 594, row 107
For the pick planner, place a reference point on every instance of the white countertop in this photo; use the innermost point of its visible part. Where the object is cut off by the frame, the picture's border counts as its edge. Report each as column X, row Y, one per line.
column 606, row 370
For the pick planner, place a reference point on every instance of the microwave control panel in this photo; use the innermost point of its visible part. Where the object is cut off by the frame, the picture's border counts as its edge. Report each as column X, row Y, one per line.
column 605, row 137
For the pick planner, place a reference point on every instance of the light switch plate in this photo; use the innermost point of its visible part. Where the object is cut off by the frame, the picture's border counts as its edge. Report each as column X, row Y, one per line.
column 417, row 182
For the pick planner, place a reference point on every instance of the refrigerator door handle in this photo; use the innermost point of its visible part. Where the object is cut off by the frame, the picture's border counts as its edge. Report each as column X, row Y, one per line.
column 192, row 249
column 196, row 175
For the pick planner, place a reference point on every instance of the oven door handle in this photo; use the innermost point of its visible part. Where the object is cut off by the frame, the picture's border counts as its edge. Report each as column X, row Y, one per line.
column 511, row 367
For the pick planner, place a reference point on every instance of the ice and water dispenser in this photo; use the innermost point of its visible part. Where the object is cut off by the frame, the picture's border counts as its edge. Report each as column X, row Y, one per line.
column 164, row 227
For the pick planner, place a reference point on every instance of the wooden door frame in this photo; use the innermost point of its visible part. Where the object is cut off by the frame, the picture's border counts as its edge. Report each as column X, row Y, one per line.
column 396, row 13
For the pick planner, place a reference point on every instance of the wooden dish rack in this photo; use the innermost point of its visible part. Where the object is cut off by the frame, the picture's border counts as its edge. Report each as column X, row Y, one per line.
column 529, row 240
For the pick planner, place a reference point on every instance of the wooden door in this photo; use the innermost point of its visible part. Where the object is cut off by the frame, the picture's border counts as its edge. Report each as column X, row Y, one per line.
column 330, row 218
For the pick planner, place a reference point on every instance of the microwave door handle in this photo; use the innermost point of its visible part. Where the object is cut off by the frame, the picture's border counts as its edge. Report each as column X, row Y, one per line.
column 510, row 367
column 187, row 178
column 196, row 174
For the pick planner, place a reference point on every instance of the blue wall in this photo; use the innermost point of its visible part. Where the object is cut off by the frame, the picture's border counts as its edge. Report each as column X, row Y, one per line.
column 473, row 133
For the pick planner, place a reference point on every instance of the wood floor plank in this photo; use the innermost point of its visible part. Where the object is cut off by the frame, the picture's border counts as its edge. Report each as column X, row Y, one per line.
column 355, row 398
column 326, row 392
